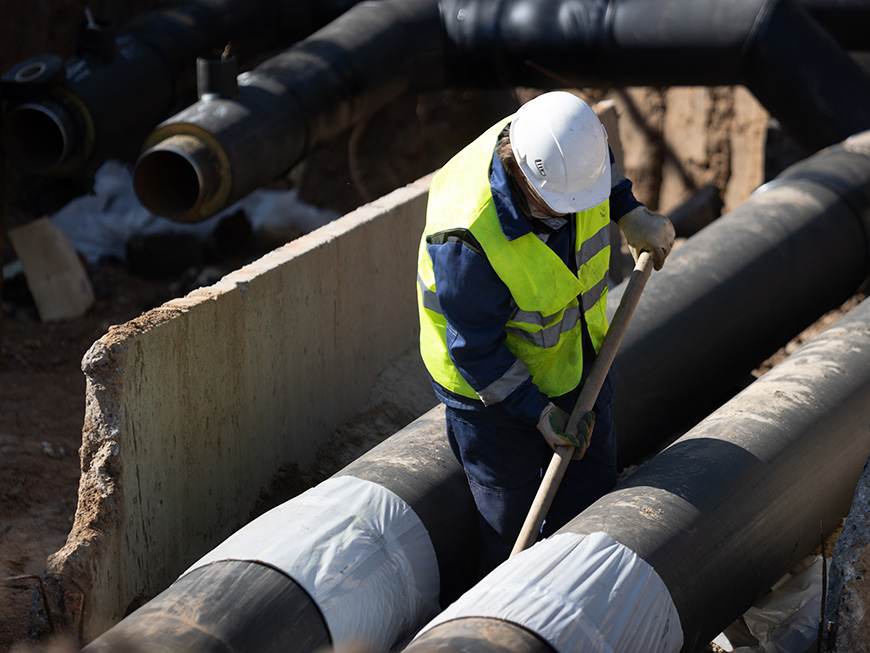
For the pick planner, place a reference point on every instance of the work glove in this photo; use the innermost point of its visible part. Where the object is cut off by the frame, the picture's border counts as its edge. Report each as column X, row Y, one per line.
column 647, row 231
column 552, row 423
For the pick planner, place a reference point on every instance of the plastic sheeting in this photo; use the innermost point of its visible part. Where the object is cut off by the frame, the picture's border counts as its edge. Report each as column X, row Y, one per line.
column 579, row 593
column 101, row 223
column 360, row 552
column 785, row 620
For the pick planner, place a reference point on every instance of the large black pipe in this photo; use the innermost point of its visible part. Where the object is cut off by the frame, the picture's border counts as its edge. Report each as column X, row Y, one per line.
column 774, row 47
column 104, row 101
column 721, row 514
column 220, row 149
column 215, row 152
column 740, row 289
column 248, row 604
column 231, row 605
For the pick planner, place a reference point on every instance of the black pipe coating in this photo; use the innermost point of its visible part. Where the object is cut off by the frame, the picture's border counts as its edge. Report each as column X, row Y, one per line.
column 739, row 290
column 230, row 605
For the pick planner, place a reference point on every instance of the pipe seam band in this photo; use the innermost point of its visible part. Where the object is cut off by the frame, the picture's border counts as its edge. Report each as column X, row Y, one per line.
column 579, row 593
column 360, row 552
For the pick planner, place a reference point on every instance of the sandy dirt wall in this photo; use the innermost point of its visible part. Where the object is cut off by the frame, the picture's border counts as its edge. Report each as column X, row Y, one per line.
column 678, row 139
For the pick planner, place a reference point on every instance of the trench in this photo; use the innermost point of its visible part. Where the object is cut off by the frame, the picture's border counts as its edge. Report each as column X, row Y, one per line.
column 813, row 207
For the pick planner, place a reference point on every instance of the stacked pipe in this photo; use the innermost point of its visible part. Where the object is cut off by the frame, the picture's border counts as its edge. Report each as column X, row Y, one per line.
column 820, row 206
column 213, row 153
column 62, row 116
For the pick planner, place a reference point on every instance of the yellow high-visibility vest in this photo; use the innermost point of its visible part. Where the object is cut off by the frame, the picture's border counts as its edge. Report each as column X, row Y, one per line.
column 545, row 329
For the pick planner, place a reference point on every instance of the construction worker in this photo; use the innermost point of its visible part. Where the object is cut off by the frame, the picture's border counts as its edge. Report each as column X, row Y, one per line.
column 512, row 283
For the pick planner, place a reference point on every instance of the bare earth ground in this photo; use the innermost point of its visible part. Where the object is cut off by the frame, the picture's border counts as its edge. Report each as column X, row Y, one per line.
column 43, row 390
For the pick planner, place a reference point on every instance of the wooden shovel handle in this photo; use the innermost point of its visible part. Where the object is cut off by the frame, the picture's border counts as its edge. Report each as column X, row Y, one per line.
column 588, row 394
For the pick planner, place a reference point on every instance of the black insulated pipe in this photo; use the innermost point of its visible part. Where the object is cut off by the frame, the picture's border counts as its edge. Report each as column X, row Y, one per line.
column 740, row 499
column 122, row 83
column 774, row 47
column 286, row 105
column 231, row 605
column 196, row 168
column 806, row 80
column 748, row 282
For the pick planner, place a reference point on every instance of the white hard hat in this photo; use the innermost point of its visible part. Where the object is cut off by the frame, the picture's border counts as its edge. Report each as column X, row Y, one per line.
column 561, row 148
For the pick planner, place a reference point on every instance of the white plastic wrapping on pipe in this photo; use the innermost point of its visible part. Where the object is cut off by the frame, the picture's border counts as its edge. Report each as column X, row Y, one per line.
column 579, row 593
column 360, row 552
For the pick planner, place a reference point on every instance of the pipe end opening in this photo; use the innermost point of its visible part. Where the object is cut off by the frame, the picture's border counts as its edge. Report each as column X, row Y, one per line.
column 36, row 138
column 167, row 183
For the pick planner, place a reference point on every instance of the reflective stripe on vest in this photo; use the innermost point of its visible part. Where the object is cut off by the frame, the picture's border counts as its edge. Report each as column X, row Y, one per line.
column 545, row 330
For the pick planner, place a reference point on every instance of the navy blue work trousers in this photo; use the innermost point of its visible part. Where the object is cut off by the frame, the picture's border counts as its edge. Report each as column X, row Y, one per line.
column 504, row 461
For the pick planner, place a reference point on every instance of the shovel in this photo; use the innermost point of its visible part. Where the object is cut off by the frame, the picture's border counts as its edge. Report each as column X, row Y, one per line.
column 585, row 402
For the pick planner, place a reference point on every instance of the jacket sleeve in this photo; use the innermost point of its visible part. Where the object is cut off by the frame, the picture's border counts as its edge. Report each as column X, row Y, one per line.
column 477, row 305
column 622, row 199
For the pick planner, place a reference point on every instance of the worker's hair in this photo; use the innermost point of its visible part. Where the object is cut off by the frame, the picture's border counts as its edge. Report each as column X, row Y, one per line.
column 504, row 151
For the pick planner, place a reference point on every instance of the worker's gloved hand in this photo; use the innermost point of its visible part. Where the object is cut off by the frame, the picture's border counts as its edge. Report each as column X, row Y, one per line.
column 647, row 231
column 552, row 423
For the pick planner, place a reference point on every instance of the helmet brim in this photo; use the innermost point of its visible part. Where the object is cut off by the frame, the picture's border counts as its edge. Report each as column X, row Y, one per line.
column 576, row 201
